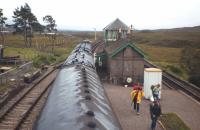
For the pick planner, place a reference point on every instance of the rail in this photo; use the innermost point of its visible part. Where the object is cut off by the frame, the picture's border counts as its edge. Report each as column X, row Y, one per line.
column 17, row 127
column 24, row 102
column 177, row 83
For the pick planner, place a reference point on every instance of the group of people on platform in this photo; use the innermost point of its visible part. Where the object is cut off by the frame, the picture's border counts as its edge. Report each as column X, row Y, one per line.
column 155, row 107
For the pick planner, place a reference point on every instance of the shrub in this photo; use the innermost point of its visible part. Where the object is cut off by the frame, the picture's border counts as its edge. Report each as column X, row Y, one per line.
column 58, row 52
column 39, row 60
column 43, row 59
column 195, row 79
column 175, row 70
column 50, row 59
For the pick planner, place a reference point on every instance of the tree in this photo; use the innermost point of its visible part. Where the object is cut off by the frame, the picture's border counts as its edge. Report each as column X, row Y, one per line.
column 51, row 23
column 51, row 28
column 37, row 27
column 24, row 19
column 190, row 60
column 2, row 23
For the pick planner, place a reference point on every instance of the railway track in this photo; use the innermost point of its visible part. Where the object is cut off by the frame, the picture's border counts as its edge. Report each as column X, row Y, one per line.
column 177, row 83
column 16, row 116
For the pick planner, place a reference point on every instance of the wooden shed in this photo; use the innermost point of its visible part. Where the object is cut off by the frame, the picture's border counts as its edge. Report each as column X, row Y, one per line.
column 126, row 61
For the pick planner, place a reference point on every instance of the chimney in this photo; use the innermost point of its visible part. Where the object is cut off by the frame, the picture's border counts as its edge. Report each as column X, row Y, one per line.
column 129, row 33
column 119, row 34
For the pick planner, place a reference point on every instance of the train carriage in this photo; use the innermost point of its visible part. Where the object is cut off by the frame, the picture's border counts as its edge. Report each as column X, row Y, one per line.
column 77, row 100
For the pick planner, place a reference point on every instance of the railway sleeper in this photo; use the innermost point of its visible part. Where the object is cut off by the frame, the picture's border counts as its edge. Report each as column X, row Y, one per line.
column 28, row 121
column 30, row 96
column 34, row 95
column 25, row 127
column 8, row 123
column 10, row 118
column 4, row 127
column 17, row 111
column 28, row 101
column 23, row 106
column 13, row 115
column 16, row 114
column 29, row 127
column 24, row 102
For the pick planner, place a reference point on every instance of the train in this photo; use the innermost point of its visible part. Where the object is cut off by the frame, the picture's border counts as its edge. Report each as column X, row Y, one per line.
column 77, row 100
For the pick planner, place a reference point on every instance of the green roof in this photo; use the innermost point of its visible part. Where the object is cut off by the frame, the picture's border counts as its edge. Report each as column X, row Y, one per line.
column 126, row 45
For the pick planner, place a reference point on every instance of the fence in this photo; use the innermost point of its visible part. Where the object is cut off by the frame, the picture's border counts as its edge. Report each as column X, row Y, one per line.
column 15, row 74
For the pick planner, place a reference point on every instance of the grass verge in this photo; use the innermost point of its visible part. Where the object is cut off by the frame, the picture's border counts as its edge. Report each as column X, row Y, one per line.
column 171, row 121
column 4, row 88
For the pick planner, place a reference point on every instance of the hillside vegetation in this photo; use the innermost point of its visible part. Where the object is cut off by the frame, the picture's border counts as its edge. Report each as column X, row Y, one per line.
column 176, row 50
column 179, row 38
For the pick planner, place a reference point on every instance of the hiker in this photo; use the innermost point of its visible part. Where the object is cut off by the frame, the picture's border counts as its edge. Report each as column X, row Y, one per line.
column 136, row 97
column 156, row 91
column 136, row 86
column 155, row 111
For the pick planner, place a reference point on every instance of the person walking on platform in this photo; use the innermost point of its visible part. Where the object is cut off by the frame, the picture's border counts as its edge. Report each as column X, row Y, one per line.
column 155, row 111
column 155, row 91
column 136, row 86
column 136, row 97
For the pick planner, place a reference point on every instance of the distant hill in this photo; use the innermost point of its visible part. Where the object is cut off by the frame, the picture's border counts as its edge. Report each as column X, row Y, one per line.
column 184, row 29
column 176, row 37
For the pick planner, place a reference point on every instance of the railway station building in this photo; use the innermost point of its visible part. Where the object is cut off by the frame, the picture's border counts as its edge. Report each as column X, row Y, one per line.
column 116, row 58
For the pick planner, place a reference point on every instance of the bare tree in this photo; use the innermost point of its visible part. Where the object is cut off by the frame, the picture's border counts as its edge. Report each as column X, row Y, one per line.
column 2, row 23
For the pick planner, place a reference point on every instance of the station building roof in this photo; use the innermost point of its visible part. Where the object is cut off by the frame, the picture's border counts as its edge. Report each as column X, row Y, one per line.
column 126, row 45
column 115, row 25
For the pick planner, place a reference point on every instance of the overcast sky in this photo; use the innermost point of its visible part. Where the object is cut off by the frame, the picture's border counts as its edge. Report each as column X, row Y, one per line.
column 90, row 14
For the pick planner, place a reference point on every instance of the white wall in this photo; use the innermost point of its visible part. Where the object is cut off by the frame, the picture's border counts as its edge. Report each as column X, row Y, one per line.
column 151, row 78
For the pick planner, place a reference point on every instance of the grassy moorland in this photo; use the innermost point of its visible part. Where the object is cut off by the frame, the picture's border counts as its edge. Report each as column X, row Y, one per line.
column 181, row 37
column 41, row 50
column 164, row 47
column 167, row 58
column 42, row 46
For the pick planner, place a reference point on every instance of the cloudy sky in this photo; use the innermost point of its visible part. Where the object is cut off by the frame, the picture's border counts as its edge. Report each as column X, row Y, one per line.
column 90, row 14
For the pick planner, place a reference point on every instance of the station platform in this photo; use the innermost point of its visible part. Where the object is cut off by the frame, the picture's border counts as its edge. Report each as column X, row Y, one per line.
column 172, row 101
